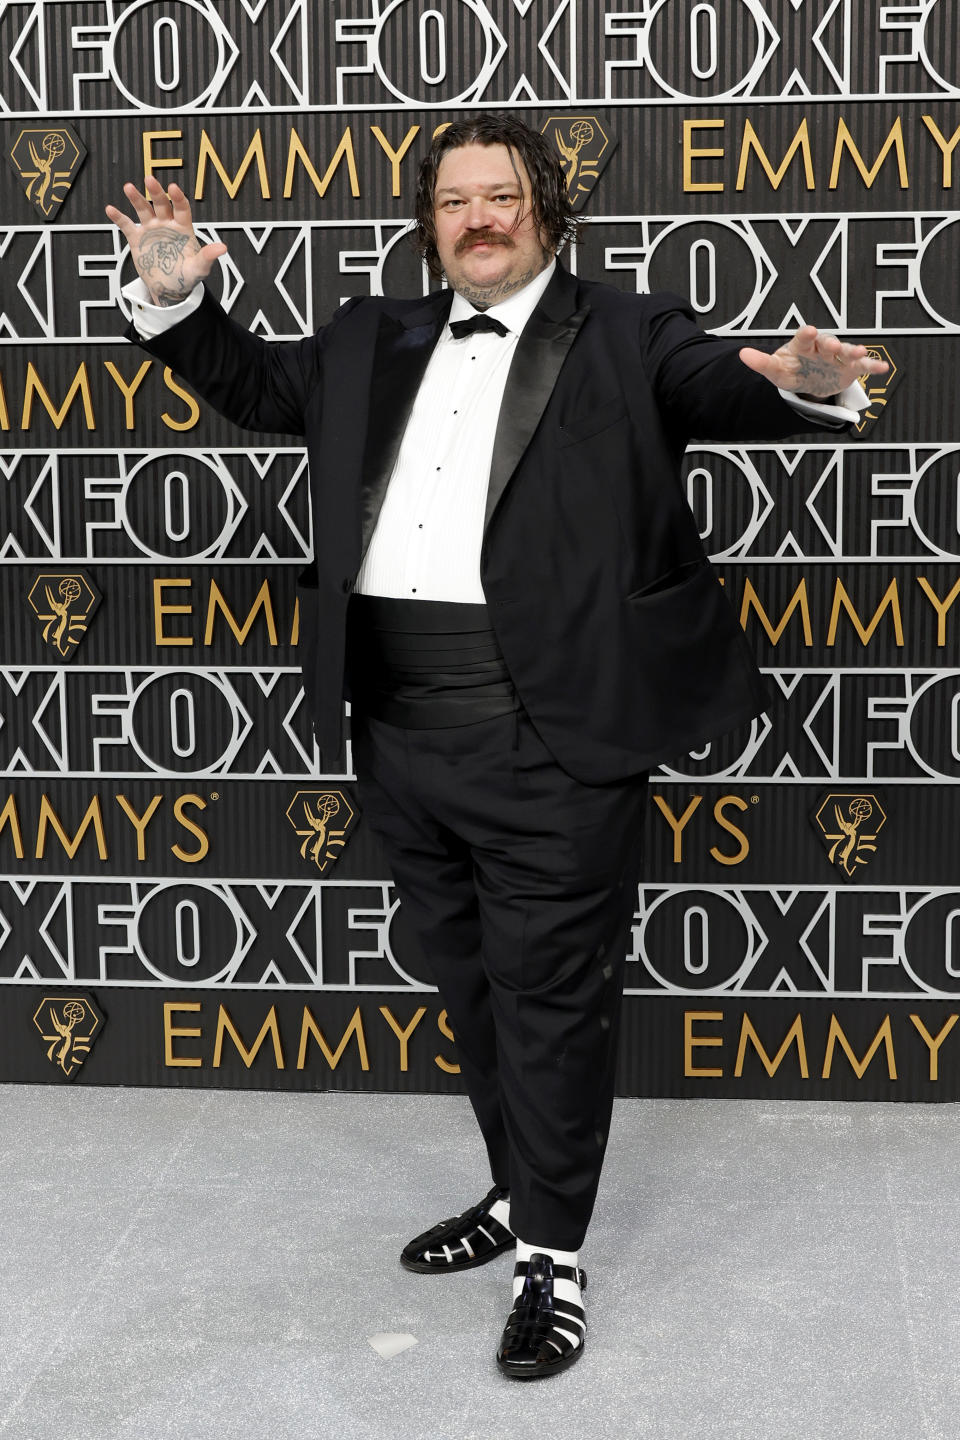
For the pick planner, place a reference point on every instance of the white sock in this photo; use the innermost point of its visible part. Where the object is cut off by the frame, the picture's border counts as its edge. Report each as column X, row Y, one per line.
column 500, row 1210
column 566, row 1290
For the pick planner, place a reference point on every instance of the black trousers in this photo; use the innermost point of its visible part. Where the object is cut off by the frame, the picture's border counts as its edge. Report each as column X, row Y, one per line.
column 520, row 884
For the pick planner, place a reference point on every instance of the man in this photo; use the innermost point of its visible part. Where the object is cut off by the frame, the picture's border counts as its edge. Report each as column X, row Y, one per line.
column 509, row 576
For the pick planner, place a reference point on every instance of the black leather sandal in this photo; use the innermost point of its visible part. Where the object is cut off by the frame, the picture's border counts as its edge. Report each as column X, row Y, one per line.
column 533, row 1343
column 467, row 1240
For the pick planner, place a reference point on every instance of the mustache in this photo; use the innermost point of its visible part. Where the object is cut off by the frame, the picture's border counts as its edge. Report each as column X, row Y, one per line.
column 481, row 237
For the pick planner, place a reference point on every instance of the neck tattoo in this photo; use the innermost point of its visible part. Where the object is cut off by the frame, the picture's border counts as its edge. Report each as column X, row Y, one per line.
column 481, row 297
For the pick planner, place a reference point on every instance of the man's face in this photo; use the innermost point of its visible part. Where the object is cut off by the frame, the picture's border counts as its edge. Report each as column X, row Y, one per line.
column 485, row 254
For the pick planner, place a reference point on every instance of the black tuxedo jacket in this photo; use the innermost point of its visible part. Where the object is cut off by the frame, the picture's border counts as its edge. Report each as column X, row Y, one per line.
column 617, row 634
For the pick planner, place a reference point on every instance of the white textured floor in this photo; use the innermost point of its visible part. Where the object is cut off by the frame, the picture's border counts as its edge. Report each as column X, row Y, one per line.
column 212, row 1264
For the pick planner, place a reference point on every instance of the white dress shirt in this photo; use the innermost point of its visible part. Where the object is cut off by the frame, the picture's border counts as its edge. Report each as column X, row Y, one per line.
column 426, row 544
column 430, row 529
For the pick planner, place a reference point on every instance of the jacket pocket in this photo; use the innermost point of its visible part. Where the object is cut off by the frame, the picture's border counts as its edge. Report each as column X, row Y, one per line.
column 601, row 417
column 673, row 579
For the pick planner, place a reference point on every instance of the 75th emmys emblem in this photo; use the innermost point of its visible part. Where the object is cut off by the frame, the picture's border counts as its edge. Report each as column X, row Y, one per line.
column 879, row 388
column 64, row 602
column 849, row 825
column 322, row 819
column 67, row 1025
column 584, row 147
column 47, row 160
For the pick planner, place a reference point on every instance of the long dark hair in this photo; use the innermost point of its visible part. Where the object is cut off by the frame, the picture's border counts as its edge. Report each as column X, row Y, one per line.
column 552, row 211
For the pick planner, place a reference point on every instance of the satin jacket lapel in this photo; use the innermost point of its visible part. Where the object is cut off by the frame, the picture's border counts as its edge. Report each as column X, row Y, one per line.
column 541, row 351
column 403, row 350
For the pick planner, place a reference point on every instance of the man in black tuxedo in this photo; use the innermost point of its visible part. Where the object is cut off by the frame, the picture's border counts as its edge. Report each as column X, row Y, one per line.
column 510, row 585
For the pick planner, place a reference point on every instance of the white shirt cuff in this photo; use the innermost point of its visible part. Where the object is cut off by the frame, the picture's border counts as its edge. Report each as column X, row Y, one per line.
column 150, row 320
column 844, row 408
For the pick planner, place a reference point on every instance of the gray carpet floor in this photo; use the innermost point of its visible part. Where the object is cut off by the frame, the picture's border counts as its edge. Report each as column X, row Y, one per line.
column 207, row 1264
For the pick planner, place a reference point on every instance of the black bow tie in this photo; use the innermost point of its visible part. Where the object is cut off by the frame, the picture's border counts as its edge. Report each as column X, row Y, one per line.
column 460, row 329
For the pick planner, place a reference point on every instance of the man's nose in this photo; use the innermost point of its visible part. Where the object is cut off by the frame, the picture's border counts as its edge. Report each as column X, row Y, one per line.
column 480, row 214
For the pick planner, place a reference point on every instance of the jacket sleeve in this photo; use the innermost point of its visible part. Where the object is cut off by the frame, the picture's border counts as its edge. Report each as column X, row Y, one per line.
column 256, row 383
column 703, row 387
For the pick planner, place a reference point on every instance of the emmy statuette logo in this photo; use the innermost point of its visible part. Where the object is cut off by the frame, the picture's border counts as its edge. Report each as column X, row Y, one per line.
column 849, row 825
column 321, row 819
column 67, row 1026
column 64, row 602
column 879, row 388
column 47, row 160
column 584, row 148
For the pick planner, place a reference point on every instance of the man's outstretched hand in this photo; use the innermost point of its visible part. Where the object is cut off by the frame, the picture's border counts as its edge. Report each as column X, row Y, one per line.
column 814, row 364
column 169, row 258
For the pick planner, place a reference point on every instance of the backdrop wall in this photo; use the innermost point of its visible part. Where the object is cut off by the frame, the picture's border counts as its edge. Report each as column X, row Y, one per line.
column 186, row 898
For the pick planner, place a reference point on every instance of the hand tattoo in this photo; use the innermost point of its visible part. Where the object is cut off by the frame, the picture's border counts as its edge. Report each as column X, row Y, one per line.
column 159, row 259
column 818, row 377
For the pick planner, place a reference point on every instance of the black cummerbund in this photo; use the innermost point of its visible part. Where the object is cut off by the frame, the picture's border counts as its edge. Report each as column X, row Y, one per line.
column 425, row 664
